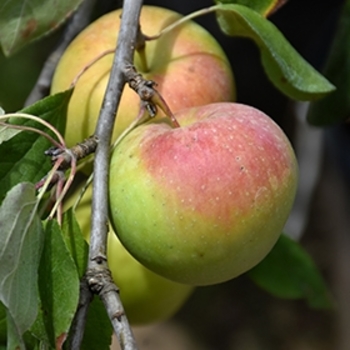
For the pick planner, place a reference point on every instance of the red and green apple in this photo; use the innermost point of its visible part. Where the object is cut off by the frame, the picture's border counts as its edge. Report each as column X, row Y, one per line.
column 203, row 203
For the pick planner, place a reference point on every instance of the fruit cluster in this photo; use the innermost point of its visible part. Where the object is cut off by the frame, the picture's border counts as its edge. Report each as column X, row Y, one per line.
column 197, row 205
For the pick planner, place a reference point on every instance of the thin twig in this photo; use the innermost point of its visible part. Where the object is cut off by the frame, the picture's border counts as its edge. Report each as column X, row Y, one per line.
column 200, row 13
column 79, row 151
column 61, row 144
column 31, row 129
column 78, row 325
column 98, row 272
column 181, row 21
column 89, row 65
column 78, row 22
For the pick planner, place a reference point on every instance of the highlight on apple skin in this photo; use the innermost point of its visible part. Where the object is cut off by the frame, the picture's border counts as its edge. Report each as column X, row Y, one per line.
column 188, row 65
column 203, row 203
column 146, row 297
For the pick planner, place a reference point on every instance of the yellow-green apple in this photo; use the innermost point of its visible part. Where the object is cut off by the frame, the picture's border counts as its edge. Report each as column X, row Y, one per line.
column 187, row 63
column 203, row 203
column 146, row 296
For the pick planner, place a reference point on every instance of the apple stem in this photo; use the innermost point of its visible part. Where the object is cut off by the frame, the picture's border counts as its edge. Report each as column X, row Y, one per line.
column 140, row 48
column 143, row 59
column 143, row 117
column 182, row 20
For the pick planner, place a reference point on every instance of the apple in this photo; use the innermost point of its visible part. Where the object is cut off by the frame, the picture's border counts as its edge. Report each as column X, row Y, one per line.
column 146, row 296
column 187, row 63
column 203, row 203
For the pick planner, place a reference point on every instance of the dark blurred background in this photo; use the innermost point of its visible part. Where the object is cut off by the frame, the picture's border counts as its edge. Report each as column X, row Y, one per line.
column 238, row 315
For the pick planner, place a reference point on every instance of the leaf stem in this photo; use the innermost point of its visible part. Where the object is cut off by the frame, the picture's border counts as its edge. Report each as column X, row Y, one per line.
column 47, row 182
column 62, row 191
column 90, row 64
column 61, row 143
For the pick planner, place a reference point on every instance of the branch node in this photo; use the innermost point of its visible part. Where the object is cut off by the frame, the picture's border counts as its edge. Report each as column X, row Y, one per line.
column 149, row 96
column 143, row 87
column 100, row 280
column 77, row 152
column 118, row 315
column 100, row 259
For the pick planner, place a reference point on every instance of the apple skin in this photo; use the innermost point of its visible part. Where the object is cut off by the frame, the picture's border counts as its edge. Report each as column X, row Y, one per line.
column 146, row 297
column 188, row 65
column 206, row 202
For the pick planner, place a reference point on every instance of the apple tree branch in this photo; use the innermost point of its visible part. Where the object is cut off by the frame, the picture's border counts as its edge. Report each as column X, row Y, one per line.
column 98, row 274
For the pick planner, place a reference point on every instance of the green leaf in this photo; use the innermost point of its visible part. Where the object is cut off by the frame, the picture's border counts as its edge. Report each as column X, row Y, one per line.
column 98, row 330
column 58, row 286
column 75, row 242
column 264, row 7
column 6, row 133
column 289, row 272
column 3, row 325
column 22, row 21
column 287, row 70
column 14, row 338
column 22, row 157
column 21, row 241
column 335, row 108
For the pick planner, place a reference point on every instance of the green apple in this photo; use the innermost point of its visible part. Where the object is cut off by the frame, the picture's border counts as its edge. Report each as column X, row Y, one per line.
column 146, row 296
column 187, row 63
column 203, row 203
